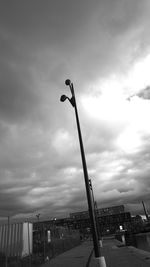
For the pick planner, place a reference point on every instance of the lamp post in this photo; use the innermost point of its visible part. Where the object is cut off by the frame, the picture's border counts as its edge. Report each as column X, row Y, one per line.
column 100, row 259
column 96, row 216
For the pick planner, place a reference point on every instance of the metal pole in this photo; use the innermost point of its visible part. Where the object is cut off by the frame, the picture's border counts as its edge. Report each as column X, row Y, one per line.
column 96, row 215
column 90, row 184
column 95, row 212
column 97, row 251
column 91, row 211
column 98, row 225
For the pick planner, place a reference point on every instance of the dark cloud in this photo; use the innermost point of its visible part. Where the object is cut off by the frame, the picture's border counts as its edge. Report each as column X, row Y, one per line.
column 51, row 22
column 17, row 96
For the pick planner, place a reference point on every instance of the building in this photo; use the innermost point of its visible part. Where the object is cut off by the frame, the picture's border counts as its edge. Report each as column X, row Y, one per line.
column 100, row 212
column 108, row 220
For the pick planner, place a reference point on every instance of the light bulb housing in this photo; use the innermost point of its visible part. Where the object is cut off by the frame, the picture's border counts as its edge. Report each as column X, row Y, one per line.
column 63, row 98
column 68, row 82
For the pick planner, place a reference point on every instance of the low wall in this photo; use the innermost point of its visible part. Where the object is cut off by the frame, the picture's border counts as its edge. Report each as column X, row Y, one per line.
column 143, row 241
column 140, row 241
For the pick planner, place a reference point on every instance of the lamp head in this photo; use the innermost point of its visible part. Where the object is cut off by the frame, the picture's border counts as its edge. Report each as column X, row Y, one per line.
column 63, row 98
column 67, row 82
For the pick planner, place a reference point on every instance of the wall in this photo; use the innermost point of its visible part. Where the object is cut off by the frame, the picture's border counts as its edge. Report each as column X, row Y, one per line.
column 16, row 239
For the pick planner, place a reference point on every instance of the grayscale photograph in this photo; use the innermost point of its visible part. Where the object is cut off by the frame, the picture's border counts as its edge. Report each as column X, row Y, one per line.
column 74, row 133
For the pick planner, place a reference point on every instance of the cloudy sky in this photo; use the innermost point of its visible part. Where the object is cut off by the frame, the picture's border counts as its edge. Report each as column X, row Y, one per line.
column 104, row 48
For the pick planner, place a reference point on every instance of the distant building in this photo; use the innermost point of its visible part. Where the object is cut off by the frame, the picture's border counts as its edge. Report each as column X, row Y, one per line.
column 109, row 219
column 100, row 212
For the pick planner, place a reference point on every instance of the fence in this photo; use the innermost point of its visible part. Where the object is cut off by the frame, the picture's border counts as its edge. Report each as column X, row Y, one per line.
column 20, row 246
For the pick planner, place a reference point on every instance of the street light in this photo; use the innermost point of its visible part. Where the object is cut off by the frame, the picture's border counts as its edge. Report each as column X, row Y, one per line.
column 100, row 259
column 95, row 212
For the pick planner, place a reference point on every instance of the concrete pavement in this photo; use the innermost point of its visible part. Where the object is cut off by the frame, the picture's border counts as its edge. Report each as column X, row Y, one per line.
column 117, row 255
column 114, row 252
column 75, row 257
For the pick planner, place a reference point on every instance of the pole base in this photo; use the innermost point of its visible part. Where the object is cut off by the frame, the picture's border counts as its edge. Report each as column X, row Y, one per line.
column 100, row 262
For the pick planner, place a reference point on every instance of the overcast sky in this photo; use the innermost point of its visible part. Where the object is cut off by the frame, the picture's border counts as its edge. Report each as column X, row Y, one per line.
column 104, row 48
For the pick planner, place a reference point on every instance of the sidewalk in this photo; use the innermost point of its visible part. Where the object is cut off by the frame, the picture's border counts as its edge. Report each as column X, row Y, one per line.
column 117, row 255
column 75, row 257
